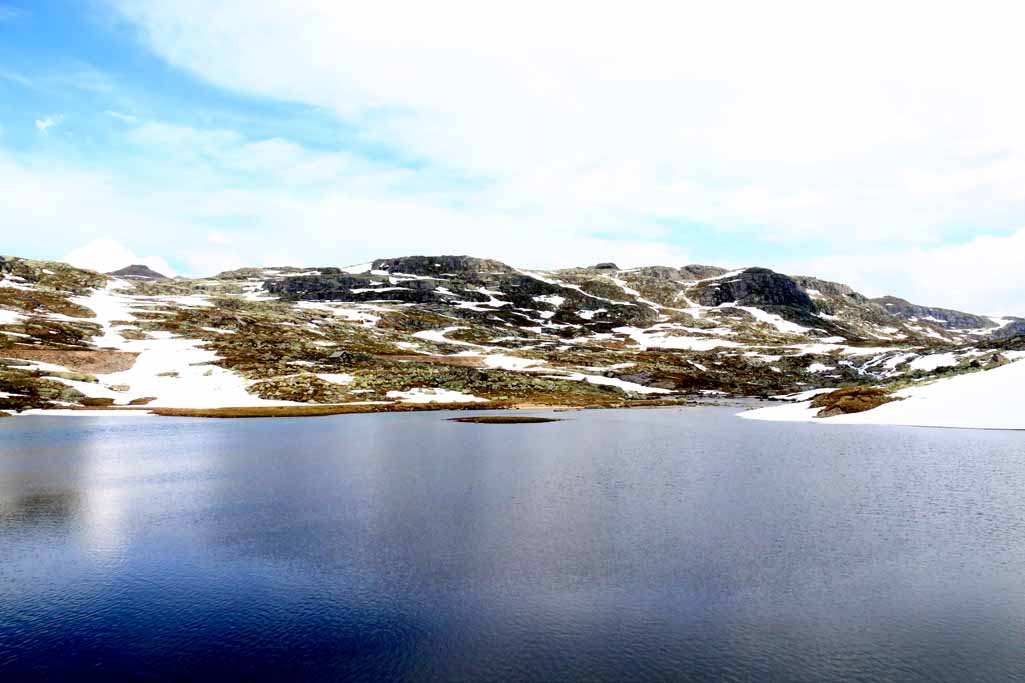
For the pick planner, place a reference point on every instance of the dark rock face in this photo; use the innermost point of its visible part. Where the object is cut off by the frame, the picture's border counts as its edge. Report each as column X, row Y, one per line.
column 756, row 287
column 335, row 285
column 1011, row 342
column 140, row 271
column 440, row 265
column 521, row 289
column 945, row 317
column 839, row 299
column 5, row 267
column 454, row 281
column 339, row 286
column 605, row 266
column 1015, row 330
column 833, row 289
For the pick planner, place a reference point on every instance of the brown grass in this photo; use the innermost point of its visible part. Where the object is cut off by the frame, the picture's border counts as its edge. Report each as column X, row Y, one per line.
column 336, row 409
column 38, row 301
column 93, row 362
column 97, row 402
column 850, row 400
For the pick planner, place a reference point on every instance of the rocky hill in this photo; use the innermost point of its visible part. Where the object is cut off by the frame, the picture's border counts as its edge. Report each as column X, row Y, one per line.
column 461, row 330
column 139, row 271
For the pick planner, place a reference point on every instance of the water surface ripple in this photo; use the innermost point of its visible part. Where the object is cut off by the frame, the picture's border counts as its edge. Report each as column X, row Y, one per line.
column 654, row 544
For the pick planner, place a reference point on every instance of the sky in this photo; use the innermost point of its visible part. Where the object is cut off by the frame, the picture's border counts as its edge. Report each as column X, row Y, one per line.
column 877, row 144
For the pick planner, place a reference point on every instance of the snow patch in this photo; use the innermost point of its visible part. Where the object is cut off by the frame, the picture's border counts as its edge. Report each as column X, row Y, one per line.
column 438, row 395
column 937, row 360
column 503, row 362
column 630, row 387
column 981, row 400
column 10, row 317
column 658, row 336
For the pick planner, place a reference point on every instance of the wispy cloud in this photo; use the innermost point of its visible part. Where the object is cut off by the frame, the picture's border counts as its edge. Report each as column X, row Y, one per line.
column 124, row 118
column 44, row 125
column 88, row 78
column 9, row 12
column 20, row 79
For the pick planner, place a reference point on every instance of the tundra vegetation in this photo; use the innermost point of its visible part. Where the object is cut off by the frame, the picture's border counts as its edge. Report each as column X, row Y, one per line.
column 424, row 332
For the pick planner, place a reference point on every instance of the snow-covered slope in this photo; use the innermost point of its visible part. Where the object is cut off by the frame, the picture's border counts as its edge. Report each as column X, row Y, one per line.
column 991, row 399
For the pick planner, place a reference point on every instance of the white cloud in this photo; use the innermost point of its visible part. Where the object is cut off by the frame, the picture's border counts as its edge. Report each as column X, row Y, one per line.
column 105, row 254
column 863, row 134
column 160, row 134
column 338, row 227
column 982, row 275
column 355, row 218
column 44, row 125
column 793, row 120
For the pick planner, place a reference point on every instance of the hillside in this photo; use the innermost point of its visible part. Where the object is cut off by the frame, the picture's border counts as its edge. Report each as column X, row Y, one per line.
column 461, row 330
column 980, row 400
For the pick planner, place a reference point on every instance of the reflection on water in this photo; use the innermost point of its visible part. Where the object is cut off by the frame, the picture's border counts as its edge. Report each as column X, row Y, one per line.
column 617, row 544
column 38, row 511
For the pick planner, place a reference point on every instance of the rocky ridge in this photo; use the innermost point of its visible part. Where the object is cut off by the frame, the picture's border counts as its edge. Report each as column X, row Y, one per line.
column 462, row 330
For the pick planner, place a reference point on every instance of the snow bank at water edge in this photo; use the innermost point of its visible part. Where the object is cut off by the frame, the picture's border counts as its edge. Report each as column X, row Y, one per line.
column 982, row 400
column 434, row 396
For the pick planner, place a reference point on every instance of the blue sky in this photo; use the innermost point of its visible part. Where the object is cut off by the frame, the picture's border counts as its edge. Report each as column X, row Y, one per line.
column 203, row 136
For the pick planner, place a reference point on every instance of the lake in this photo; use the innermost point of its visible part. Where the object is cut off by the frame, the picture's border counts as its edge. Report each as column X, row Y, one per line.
column 656, row 544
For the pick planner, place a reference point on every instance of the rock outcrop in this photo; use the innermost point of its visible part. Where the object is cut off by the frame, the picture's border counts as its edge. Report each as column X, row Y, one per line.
column 759, row 287
column 138, row 271
column 958, row 320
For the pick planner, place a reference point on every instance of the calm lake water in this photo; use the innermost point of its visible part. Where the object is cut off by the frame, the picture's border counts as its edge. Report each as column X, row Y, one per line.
column 655, row 544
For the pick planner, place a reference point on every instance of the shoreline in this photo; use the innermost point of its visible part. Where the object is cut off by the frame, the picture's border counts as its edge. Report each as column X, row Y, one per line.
column 322, row 410
column 749, row 407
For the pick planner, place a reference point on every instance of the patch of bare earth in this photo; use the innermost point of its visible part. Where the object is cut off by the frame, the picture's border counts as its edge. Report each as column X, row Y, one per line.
column 100, row 362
